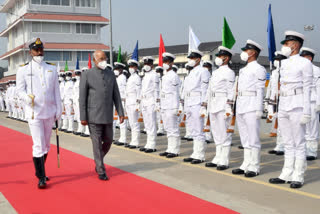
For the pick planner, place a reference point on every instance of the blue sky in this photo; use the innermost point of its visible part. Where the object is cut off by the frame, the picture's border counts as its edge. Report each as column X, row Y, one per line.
column 144, row 20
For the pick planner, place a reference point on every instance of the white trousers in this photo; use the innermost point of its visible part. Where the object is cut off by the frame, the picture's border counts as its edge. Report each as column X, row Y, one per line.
column 41, row 133
column 171, row 126
column 279, row 144
column 76, row 109
column 133, row 117
column 219, row 126
column 293, row 134
column 195, row 126
column 1, row 104
column 312, row 132
column 68, row 105
column 150, row 124
column 160, row 125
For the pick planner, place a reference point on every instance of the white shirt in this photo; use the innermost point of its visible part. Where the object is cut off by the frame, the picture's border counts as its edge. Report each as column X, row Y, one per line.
column 45, row 88
column 75, row 91
column 133, row 89
column 170, row 88
column 61, row 87
column 296, row 72
column 68, row 91
column 251, row 79
column 122, row 83
column 195, row 86
column 315, row 88
column 150, row 88
column 220, row 89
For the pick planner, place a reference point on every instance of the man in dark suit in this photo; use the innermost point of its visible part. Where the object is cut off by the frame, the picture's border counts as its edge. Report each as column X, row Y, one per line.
column 98, row 93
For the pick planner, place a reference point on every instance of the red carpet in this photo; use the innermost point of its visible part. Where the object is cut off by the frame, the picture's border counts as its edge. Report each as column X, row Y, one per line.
column 74, row 188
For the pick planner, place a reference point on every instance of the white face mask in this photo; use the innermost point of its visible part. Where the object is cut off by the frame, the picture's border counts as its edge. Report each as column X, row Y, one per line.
column 77, row 77
column 192, row 62
column 244, row 56
column 68, row 78
column 102, row 65
column 165, row 66
column 116, row 72
column 285, row 50
column 276, row 63
column 38, row 59
column 218, row 61
column 131, row 70
column 61, row 79
column 147, row 68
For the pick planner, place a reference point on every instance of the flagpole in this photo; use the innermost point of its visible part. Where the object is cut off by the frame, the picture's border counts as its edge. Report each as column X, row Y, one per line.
column 110, row 22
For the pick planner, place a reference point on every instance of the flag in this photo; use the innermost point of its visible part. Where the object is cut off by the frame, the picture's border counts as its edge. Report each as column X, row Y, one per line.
column 77, row 64
column 227, row 37
column 194, row 42
column 271, row 38
column 119, row 54
column 89, row 62
column 135, row 54
column 162, row 49
column 66, row 68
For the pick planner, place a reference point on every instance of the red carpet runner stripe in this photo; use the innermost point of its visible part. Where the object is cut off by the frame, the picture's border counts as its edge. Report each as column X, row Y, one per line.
column 75, row 188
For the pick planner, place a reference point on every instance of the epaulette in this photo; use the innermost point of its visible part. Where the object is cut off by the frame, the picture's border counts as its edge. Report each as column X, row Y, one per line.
column 24, row 64
column 49, row 63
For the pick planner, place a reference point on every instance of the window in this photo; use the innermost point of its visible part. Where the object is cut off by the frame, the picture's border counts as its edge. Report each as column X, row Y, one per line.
column 85, row 3
column 36, row 27
column 86, row 28
column 48, row 27
column 51, row 2
column 67, row 56
column 83, row 55
column 58, row 56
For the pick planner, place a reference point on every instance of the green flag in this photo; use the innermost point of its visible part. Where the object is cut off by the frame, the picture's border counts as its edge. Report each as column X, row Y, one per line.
column 66, row 68
column 119, row 54
column 227, row 38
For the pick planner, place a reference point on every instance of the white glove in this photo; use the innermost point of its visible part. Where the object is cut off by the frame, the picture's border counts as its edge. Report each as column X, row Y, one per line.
column 158, row 106
column 259, row 114
column 180, row 108
column 228, row 112
column 203, row 111
column 265, row 107
column 137, row 106
column 318, row 108
column 270, row 112
column 305, row 119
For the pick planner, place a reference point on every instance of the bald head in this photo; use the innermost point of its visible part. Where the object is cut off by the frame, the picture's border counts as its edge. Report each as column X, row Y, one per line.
column 99, row 56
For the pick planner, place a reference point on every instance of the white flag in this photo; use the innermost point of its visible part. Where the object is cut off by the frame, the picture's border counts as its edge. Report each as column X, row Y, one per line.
column 58, row 67
column 194, row 42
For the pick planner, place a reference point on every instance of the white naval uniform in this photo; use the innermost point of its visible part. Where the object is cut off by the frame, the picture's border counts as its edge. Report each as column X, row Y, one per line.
column 294, row 102
column 219, row 91
column 2, row 101
column 194, row 93
column 61, row 87
column 170, row 99
column 8, row 101
column 149, row 94
column 68, row 104
column 312, row 128
column 133, row 90
column 13, row 101
column 47, row 102
column 251, row 86
column 122, row 83
column 75, row 97
column 159, row 116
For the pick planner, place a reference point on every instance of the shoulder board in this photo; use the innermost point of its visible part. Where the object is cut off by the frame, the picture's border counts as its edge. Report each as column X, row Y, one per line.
column 49, row 63
column 24, row 64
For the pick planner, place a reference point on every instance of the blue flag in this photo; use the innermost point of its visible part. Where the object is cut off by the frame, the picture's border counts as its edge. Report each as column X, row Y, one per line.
column 271, row 39
column 77, row 64
column 135, row 54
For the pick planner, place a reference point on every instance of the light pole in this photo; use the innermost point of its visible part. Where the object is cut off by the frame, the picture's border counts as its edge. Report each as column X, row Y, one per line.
column 110, row 22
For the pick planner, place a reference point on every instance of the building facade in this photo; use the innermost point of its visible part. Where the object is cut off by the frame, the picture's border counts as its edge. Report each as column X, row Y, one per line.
column 70, row 29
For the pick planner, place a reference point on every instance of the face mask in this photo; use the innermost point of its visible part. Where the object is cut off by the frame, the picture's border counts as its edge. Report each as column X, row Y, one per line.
column 244, row 56
column 102, row 65
column 276, row 63
column 116, row 72
column 132, row 70
column 285, row 50
column 68, row 78
column 192, row 62
column 61, row 79
column 147, row 68
column 218, row 61
column 77, row 77
column 38, row 59
column 165, row 66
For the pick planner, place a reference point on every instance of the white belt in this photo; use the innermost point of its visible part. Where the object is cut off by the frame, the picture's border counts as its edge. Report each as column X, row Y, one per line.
column 131, row 93
column 247, row 93
column 147, row 96
column 291, row 92
column 193, row 94
column 218, row 94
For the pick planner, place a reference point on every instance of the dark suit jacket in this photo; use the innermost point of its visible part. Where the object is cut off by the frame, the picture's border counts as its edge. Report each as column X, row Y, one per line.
column 98, row 92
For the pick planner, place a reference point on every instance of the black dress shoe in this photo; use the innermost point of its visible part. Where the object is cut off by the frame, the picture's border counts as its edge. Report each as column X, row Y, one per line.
column 272, row 152
column 190, row 139
column 171, row 155
column 240, row 147
column 160, row 134
column 163, row 153
column 188, row 159
column 222, row 167
column 132, row 147
column 150, row 150
column 211, row 164
column 143, row 132
column 42, row 183
column 311, row 158
column 103, row 177
column 62, row 130
column 120, row 144
column 280, row 153
column 142, row 149
column 296, row 185
column 68, row 132
column 196, row 161
column 251, row 174
column 126, row 145
column 184, row 138
column 208, row 141
column 76, row 133
column 276, row 181
column 53, row 128
column 117, row 127
column 238, row 172
column 47, row 179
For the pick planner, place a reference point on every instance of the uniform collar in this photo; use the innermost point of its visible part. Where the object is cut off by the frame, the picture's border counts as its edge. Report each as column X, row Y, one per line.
column 294, row 56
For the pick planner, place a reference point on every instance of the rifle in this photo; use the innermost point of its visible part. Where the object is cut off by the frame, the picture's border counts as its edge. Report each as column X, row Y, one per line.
column 234, row 106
